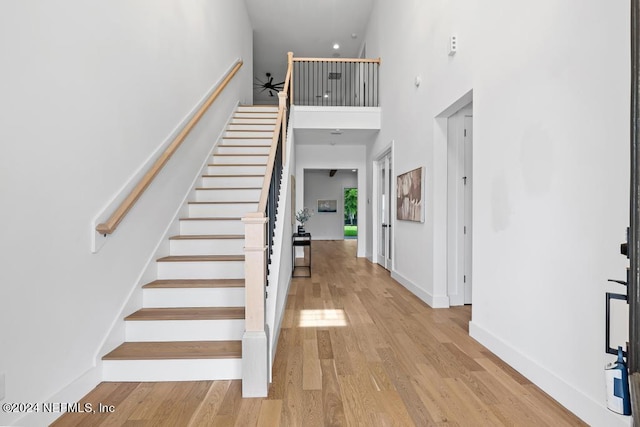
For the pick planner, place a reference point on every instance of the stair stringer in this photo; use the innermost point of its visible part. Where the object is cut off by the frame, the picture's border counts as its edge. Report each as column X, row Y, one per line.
column 280, row 268
column 133, row 302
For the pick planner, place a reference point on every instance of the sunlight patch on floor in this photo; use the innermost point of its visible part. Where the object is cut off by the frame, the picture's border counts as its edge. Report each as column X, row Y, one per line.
column 322, row 318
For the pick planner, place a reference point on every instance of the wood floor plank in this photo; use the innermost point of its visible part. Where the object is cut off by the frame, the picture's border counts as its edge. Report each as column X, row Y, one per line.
column 270, row 412
column 209, row 406
column 331, row 400
column 392, row 361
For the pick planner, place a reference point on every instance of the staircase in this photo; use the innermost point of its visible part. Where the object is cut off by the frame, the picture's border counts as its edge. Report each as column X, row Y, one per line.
column 192, row 320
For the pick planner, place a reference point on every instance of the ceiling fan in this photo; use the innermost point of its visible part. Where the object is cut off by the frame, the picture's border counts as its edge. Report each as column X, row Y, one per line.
column 269, row 85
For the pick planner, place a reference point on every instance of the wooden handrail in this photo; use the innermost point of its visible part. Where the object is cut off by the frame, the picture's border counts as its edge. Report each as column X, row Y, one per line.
column 366, row 60
column 118, row 215
column 279, row 129
column 264, row 194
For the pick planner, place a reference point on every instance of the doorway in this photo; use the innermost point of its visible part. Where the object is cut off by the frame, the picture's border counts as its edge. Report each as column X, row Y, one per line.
column 350, row 213
column 383, row 216
column 460, row 209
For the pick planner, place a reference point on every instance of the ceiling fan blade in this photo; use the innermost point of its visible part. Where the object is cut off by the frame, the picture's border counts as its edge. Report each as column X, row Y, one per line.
column 279, row 84
column 270, row 93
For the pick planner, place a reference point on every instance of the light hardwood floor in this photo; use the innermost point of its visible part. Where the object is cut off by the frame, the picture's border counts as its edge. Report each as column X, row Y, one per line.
column 356, row 349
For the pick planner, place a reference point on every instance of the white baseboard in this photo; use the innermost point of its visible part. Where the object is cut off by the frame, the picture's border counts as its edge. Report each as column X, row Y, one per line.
column 70, row 394
column 591, row 411
column 433, row 301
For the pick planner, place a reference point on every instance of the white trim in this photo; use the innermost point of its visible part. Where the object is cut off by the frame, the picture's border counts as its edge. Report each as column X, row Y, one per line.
column 72, row 393
column 591, row 411
column 433, row 301
column 97, row 240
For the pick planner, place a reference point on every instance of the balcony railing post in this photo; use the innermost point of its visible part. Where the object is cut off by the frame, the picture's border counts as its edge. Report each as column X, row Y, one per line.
column 255, row 355
column 290, row 65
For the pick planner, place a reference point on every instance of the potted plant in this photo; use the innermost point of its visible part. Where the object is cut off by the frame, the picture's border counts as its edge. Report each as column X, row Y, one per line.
column 303, row 216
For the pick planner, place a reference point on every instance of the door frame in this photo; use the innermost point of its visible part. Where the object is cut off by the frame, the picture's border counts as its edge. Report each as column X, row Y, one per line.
column 459, row 250
column 375, row 200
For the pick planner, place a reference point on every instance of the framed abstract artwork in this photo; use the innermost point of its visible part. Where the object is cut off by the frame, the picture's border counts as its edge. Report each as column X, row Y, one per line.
column 410, row 196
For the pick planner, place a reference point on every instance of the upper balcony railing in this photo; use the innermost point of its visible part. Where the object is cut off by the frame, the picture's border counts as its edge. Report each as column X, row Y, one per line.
column 336, row 82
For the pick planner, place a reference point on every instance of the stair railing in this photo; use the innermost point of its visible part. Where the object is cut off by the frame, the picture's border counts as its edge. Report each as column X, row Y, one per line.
column 259, row 230
column 110, row 225
column 331, row 82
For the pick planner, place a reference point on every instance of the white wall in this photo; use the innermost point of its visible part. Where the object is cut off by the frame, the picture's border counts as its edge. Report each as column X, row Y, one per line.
column 318, row 185
column 89, row 91
column 334, row 157
column 550, row 178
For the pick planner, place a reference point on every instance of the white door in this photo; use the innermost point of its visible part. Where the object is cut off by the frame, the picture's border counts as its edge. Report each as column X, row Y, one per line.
column 467, row 208
column 459, row 209
column 384, row 211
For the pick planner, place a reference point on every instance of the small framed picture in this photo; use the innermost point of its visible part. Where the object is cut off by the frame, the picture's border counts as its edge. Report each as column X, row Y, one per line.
column 327, row 206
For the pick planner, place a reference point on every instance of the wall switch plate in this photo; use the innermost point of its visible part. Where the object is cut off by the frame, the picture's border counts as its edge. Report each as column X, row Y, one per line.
column 2, row 390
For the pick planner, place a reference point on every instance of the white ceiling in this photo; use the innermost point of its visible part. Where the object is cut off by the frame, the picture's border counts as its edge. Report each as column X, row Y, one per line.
column 308, row 28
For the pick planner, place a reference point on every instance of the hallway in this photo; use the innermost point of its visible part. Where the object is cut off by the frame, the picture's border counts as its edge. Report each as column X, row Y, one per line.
column 355, row 348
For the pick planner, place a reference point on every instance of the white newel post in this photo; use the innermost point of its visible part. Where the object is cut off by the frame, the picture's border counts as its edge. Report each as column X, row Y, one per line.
column 255, row 355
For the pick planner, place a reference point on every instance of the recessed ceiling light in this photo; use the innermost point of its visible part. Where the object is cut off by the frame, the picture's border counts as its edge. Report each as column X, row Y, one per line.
column 336, row 46
column 353, row 170
column 354, row 36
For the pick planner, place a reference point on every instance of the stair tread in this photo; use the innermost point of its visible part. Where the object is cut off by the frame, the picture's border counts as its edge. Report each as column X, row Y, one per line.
column 195, row 283
column 245, row 137
column 238, row 164
column 233, row 176
column 200, row 258
column 228, row 188
column 207, row 236
column 176, row 350
column 222, row 203
column 242, row 145
column 188, row 313
column 212, row 218
column 241, row 154
column 273, row 125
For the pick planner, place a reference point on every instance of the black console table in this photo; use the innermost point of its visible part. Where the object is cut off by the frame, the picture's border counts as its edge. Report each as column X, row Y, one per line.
column 304, row 265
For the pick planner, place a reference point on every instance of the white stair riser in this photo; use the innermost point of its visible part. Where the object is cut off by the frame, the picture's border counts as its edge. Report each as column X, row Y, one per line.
column 184, row 330
column 221, row 210
column 239, row 195
column 252, row 127
column 239, row 149
column 245, row 134
column 236, row 170
column 193, row 297
column 247, row 141
column 172, row 370
column 249, row 115
column 252, row 119
column 234, row 160
column 206, row 247
column 232, row 181
column 257, row 108
column 225, row 227
column 201, row 270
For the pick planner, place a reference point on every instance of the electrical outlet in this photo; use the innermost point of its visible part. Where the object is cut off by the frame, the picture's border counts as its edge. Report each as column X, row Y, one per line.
column 2, row 391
